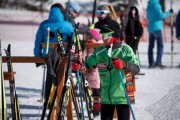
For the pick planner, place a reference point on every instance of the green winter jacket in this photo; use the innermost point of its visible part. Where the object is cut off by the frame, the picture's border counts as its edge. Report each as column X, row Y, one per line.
column 112, row 91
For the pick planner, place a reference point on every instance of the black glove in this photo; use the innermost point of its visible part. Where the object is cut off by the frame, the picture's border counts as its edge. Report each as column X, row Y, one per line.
column 171, row 10
column 39, row 64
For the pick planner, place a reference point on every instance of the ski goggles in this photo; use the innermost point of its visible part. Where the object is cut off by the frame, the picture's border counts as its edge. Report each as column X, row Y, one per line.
column 101, row 12
column 106, row 35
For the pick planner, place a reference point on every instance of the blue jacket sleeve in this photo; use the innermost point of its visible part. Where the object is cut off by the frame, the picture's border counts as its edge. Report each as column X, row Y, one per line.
column 38, row 41
column 160, row 13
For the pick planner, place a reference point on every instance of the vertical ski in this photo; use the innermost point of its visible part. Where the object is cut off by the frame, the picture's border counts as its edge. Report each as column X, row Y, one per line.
column 66, row 88
column 88, row 97
column 3, row 106
column 15, row 109
column 75, row 98
column 78, row 58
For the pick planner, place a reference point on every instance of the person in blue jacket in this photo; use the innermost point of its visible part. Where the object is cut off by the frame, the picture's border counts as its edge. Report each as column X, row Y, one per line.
column 155, row 17
column 56, row 23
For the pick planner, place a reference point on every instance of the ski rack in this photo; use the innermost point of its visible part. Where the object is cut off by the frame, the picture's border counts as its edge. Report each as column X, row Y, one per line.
column 9, row 75
column 32, row 59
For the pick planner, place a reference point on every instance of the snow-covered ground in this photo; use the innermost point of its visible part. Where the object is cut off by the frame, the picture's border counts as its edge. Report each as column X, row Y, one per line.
column 157, row 92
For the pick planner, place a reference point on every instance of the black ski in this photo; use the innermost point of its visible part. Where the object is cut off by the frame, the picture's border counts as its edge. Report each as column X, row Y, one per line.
column 15, row 109
column 75, row 99
column 66, row 89
column 88, row 97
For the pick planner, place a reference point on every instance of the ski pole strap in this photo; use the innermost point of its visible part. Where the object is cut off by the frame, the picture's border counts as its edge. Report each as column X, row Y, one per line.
column 126, row 94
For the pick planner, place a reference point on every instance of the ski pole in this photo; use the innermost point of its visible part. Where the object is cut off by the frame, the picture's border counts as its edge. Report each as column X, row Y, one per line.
column 44, row 66
column 94, row 11
column 42, row 97
column 121, row 79
column 172, row 41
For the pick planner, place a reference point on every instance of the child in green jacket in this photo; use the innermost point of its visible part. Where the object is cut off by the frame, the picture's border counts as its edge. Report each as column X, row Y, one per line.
column 110, row 59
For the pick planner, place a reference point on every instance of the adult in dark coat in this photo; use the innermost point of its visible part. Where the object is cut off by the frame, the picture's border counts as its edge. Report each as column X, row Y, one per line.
column 134, row 29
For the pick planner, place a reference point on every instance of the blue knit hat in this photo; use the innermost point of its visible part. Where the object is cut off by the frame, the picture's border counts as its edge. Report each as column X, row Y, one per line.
column 73, row 6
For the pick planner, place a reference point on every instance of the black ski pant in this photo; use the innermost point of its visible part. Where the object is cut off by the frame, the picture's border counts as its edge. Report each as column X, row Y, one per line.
column 107, row 111
column 133, row 43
